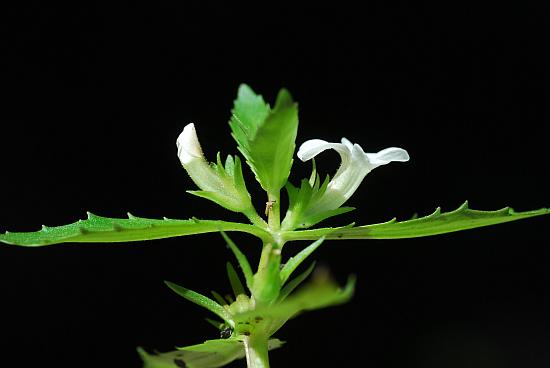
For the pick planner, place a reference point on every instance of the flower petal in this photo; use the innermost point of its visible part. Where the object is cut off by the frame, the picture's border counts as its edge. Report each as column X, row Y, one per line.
column 188, row 144
column 313, row 147
column 388, row 155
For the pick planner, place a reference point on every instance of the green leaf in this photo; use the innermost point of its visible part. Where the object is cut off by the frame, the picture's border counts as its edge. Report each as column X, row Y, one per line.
column 266, row 137
column 236, row 284
column 462, row 218
column 243, row 261
column 210, row 354
column 295, row 282
column 218, row 298
column 320, row 293
column 202, row 301
column 249, row 113
column 295, row 261
column 97, row 229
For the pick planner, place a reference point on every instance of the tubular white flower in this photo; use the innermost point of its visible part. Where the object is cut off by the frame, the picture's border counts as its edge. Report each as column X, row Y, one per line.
column 217, row 183
column 188, row 145
column 356, row 164
column 194, row 162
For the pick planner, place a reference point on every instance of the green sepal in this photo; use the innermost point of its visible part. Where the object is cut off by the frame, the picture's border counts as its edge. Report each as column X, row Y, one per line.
column 463, row 218
column 234, row 280
column 202, row 301
column 266, row 137
column 242, row 260
column 295, row 261
column 232, row 193
column 300, row 201
column 98, row 229
column 210, row 354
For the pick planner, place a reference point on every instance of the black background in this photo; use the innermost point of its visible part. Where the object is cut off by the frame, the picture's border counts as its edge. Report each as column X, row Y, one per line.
column 95, row 96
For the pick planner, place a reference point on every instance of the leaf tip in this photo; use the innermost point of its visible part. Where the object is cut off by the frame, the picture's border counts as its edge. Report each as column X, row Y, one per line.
column 435, row 213
column 464, row 206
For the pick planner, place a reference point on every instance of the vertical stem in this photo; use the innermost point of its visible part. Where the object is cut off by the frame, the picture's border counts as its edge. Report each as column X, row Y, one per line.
column 266, row 285
column 273, row 214
column 256, row 347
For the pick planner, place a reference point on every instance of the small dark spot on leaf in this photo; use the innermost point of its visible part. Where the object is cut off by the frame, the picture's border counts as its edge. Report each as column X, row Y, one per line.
column 258, row 319
column 246, row 333
column 180, row 363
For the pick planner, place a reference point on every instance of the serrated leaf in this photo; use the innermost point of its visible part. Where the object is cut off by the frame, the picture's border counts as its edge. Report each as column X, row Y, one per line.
column 202, row 301
column 97, row 229
column 266, row 137
column 295, row 261
column 463, row 218
column 249, row 113
column 210, row 354
column 243, row 261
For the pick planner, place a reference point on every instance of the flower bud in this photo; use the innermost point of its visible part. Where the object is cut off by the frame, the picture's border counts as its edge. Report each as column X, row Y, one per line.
column 225, row 186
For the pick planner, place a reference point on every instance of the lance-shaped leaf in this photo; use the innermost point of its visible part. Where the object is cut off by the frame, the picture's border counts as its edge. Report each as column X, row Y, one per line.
column 234, row 280
column 462, row 218
column 97, row 229
column 295, row 261
column 202, row 301
column 243, row 261
column 295, row 282
column 266, row 137
column 210, row 354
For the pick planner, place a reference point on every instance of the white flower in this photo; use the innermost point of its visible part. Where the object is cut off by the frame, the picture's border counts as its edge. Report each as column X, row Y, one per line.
column 194, row 162
column 356, row 164
column 189, row 148
column 224, row 186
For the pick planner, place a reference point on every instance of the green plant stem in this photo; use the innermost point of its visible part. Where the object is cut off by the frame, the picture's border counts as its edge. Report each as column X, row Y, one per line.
column 256, row 345
column 256, row 348
column 273, row 214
